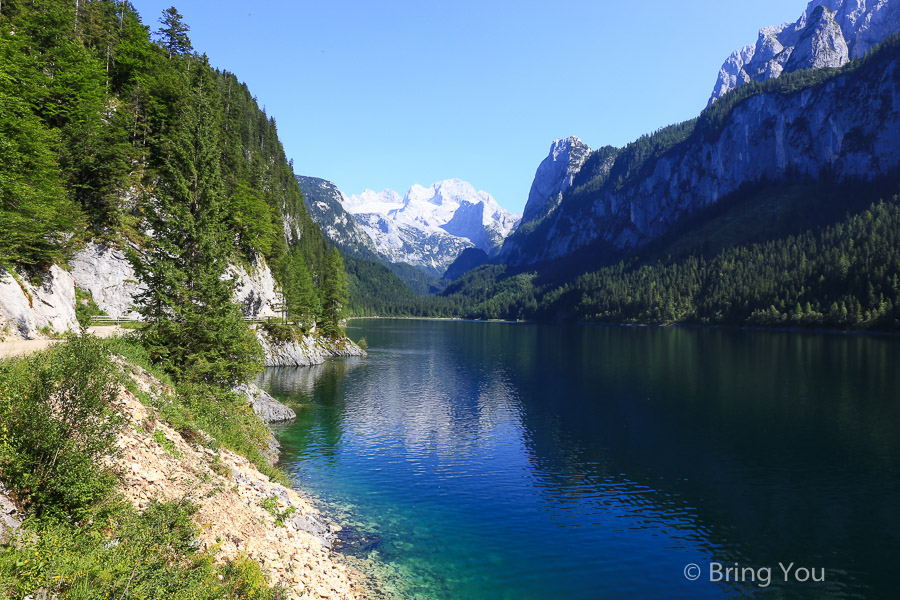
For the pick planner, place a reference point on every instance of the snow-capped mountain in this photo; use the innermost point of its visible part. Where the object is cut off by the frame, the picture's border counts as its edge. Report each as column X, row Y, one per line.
column 829, row 33
column 430, row 227
column 324, row 202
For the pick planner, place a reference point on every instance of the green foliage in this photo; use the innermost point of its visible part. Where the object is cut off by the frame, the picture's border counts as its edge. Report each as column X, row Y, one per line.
column 93, row 114
column 281, row 332
column 57, row 420
column 173, row 34
column 363, row 343
column 35, row 212
column 335, row 295
column 845, row 275
column 300, row 296
column 193, row 327
column 168, row 445
column 85, row 308
column 270, row 505
column 146, row 555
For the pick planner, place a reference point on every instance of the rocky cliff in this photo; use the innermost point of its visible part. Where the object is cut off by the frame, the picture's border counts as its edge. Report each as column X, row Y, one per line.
column 555, row 175
column 33, row 305
column 847, row 126
column 324, row 202
column 829, row 33
column 310, row 350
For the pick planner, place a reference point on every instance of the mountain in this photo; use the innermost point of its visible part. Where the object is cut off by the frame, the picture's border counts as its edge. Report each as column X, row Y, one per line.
column 469, row 259
column 324, row 202
column 829, row 33
column 554, row 176
column 430, row 227
column 842, row 124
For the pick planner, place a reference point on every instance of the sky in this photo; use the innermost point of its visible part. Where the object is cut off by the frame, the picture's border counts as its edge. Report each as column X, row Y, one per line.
column 387, row 94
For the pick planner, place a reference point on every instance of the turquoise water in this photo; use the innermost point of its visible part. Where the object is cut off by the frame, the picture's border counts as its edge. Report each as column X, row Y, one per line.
column 494, row 460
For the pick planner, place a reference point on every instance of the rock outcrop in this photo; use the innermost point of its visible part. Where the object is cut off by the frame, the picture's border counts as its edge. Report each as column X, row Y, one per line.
column 10, row 519
column 107, row 274
column 829, row 33
column 310, row 350
column 255, row 290
column 554, row 176
column 847, row 126
column 32, row 306
column 264, row 405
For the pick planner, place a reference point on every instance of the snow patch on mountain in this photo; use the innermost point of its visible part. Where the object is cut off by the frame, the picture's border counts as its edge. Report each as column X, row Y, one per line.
column 429, row 227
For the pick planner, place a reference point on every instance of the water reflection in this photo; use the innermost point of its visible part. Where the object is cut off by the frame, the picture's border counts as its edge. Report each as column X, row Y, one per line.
column 528, row 461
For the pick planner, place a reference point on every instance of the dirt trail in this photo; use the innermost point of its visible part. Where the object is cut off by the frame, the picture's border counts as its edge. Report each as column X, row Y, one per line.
column 22, row 347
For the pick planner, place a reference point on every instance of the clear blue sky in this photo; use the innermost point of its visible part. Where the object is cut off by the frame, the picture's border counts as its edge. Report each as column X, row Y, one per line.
column 388, row 94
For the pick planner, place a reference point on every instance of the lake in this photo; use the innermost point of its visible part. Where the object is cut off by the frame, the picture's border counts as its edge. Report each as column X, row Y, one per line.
column 500, row 460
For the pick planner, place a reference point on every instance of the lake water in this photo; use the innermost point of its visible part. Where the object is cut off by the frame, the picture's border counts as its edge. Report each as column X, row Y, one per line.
column 495, row 460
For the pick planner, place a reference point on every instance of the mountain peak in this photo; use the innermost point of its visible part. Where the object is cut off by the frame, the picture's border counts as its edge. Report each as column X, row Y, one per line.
column 430, row 226
column 555, row 174
column 829, row 33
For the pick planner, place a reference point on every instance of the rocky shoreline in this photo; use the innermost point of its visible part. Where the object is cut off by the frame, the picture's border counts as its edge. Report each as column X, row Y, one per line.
column 240, row 510
column 312, row 349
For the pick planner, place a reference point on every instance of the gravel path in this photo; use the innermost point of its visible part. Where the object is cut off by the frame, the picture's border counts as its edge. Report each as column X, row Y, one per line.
column 22, row 347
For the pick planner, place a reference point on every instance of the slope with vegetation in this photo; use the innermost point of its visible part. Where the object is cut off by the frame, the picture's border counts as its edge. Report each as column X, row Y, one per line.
column 116, row 134
column 134, row 487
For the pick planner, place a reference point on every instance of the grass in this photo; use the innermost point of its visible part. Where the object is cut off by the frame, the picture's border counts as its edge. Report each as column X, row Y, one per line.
column 79, row 540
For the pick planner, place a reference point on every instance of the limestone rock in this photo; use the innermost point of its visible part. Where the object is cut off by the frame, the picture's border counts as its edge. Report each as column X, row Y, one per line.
column 847, row 126
column 10, row 519
column 828, row 34
column 268, row 408
column 255, row 289
column 310, row 350
column 29, row 305
column 108, row 275
column 554, row 175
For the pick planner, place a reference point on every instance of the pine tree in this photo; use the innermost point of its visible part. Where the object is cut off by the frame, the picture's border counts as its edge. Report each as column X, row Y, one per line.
column 299, row 293
column 173, row 33
column 334, row 294
column 193, row 326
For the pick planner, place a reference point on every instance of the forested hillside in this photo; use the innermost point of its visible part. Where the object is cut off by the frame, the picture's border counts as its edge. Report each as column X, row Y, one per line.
column 778, row 257
column 96, row 112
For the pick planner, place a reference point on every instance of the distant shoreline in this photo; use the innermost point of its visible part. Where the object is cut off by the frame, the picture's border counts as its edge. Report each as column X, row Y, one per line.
column 871, row 332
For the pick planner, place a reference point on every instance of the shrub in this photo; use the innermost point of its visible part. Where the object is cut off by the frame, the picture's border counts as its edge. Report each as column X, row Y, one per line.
column 57, row 421
column 85, row 308
column 281, row 333
column 154, row 554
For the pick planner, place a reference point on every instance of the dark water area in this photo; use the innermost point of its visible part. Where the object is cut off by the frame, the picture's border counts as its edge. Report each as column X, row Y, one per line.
column 494, row 460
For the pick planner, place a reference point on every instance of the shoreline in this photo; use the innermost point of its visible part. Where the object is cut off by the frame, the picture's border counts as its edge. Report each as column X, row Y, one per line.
column 818, row 330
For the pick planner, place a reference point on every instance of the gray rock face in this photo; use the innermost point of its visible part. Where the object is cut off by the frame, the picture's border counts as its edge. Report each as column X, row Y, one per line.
column 323, row 201
column 108, row 275
column 554, row 175
column 848, row 125
column 311, row 350
column 268, row 408
column 255, row 290
column 829, row 33
column 26, row 308
column 10, row 519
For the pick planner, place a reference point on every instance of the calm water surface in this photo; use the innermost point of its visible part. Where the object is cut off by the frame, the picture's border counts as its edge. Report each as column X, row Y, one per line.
column 492, row 460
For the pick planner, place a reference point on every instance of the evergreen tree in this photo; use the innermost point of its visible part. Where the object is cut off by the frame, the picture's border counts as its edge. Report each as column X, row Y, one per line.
column 193, row 326
column 334, row 294
column 299, row 293
column 173, row 33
